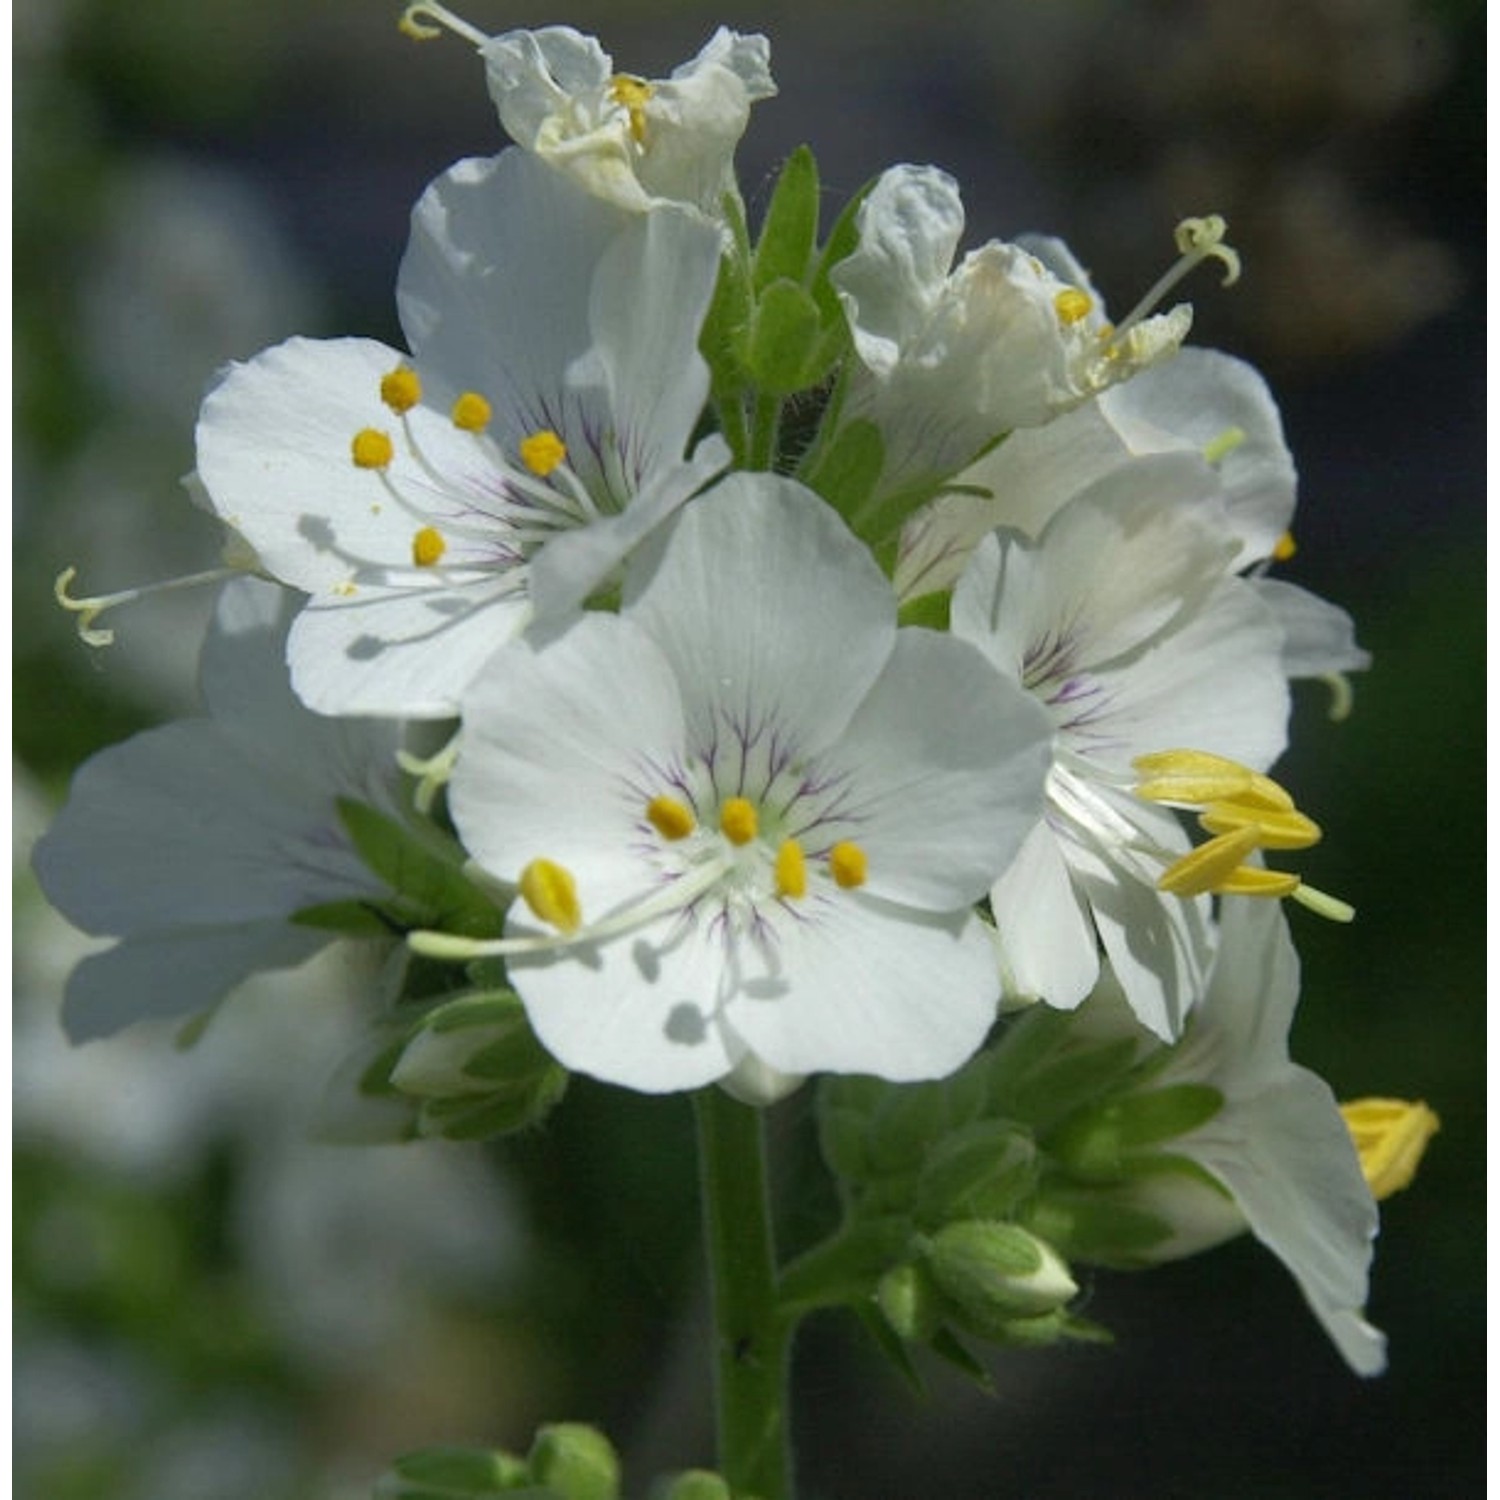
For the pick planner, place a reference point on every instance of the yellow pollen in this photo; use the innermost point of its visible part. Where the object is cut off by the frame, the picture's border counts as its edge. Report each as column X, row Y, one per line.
column 427, row 547
column 791, row 870
column 371, row 449
column 738, row 820
column 549, row 890
column 848, row 865
column 633, row 94
column 1286, row 547
column 543, row 451
column 471, row 412
column 1072, row 305
column 1391, row 1136
column 670, row 818
column 401, row 389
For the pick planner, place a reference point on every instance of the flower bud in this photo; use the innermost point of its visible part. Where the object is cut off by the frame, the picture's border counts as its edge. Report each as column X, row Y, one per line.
column 1098, row 1142
column 980, row 1172
column 576, row 1461
column 451, row 1473
column 991, row 1274
column 693, row 1484
column 910, row 1302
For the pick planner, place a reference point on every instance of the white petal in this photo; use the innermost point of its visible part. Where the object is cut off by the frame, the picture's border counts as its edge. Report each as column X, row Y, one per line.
column 1319, row 636
column 407, row 651
column 1043, row 924
column 869, row 987
column 274, row 460
column 946, row 762
column 179, row 972
column 532, row 75
column 562, row 748
column 759, row 582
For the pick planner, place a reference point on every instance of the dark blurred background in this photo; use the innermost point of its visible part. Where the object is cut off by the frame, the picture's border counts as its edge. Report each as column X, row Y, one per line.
column 212, row 1308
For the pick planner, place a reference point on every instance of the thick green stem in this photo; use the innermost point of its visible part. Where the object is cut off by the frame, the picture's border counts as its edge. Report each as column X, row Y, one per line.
column 765, row 432
column 751, row 1340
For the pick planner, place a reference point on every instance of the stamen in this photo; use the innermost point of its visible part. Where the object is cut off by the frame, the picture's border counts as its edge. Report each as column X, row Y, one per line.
column 372, row 449
column 1219, row 448
column 791, row 870
column 471, row 412
column 738, row 820
column 1321, row 904
column 88, row 610
column 401, row 389
column 1274, row 830
column 427, row 547
column 432, row 774
column 542, row 452
column 633, row 93
column 1072, row 305
column 1207, row 867
column 848, row 864
column 414, row 17
column 1391, row 1136
column 1341, row 692
column 550, row 891
column 1191, row 778
column 1286, row 547
column 670, row 818
column 1256, row 880
column 1197, row 240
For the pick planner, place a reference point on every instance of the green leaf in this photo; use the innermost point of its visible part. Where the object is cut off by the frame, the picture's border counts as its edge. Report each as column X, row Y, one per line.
column 351, row 918
column 843, row 239
column 929, row 610
column 432, row 883
column 789, row 234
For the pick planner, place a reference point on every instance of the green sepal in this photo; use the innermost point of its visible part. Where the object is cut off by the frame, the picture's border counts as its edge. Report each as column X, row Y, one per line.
column 846, row 1268
column 929, row 610
column 1097, row 1227
column 789, row 233
column 431, row 884
column 781, row 347
column 848, row 469
column 724, row 328
column 575, row 1461
column 843, row 240
column 454, row 1473
column 890, row 1344
column 1042, row 1070
column 692, row 1484
column 1096, row 1143
column 989, row 1274
column 950, row 1348
column 909, row 1302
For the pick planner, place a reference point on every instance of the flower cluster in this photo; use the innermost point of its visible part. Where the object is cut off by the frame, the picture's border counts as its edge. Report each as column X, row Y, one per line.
column 820, row 641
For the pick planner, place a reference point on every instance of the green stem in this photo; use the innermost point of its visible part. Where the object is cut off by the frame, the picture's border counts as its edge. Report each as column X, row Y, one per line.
column 765, row 432
column 751, row 1340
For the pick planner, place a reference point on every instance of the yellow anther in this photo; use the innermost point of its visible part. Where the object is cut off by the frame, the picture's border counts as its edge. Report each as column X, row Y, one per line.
column 401, row 389
column 543, row 451
column 427, row 547
column 738, row 820
column 471, row 412
column 1391, row 1136
column 1203, row 239
column 1286, row 547
column 1207, row 867
column 549, row 890
column 1218, row 449
column 1256, row 880
column 371, row 449
column 791, row 870
column 670, row 818
column 633, row 94
column 1072, row 305
column 848, row 864
column 1193, row 778
column 1275, row 829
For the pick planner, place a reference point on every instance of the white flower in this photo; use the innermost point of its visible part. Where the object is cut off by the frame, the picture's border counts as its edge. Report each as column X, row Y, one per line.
column 1122, row 620
column 1201, row 401
column 196, row 842
column 537, row 432
column 635, row 142
column 757, row 814
column 1278, row 1144
column 954, row 358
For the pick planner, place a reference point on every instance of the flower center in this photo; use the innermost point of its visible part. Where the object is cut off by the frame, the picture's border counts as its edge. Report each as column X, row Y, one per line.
column 632, row 94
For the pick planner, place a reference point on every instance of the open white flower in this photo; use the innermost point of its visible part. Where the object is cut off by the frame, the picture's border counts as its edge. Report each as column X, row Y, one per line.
column 953, row 358
column 195, row 843
column 1201, row 401
column 756, row 814
column 1122, row 620
column 431, row 505
column 1277, row 1145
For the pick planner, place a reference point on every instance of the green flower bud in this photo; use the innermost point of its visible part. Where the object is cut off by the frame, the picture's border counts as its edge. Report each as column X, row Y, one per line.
column 991, row 1274
column 1096, row 1143
column 982, row 1171
column 693, row 1484
column 576, row 1461
column 910, row 1302
column 451, row 1473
